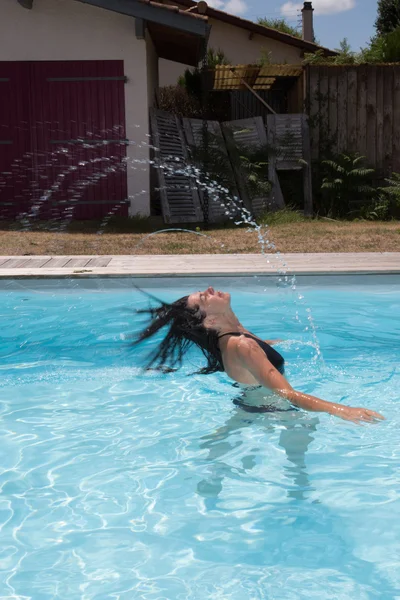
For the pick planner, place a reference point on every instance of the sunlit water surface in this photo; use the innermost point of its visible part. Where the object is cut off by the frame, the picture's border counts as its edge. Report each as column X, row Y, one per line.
column 121, row 484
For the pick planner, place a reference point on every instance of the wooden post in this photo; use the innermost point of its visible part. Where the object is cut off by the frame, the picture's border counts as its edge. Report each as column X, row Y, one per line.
column 307, row 177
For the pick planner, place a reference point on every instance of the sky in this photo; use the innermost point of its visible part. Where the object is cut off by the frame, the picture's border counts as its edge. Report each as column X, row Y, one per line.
column 333, row 19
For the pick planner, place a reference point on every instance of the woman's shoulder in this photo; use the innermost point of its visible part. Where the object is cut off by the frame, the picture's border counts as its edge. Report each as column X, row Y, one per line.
column 246, row 344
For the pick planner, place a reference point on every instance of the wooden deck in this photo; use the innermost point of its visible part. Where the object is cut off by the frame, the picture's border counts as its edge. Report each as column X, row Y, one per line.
column 199, row 265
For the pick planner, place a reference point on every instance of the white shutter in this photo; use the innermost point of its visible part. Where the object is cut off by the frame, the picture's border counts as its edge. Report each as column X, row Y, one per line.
column 180, row 202
column 291, row 134
column 288, row 137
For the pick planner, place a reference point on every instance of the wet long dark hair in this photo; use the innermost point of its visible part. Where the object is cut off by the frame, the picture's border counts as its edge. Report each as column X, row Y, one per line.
column 185, row 329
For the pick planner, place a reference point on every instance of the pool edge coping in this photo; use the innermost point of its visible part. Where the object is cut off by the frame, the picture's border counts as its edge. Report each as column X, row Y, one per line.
column 198, row 265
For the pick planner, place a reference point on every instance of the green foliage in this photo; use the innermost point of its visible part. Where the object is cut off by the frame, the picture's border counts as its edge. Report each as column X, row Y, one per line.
column 374, row 52
column 393, row 189
column 253, row 163
column 391, row 46
column 391, row 193
column 377, row 210
column 388, row 16
column 256, row 174
column 345, row 56
column 192, row 79
column 381, row 49
column 216, row 57
column 265, row 58
column 280, row 25
column 185, row 99
column 316, row 58
column 346, row 185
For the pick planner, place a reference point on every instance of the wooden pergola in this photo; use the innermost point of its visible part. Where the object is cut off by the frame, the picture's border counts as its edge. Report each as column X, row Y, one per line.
column 255, row 78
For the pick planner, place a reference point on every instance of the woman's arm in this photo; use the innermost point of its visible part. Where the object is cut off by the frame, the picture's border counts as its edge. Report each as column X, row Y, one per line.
column 272, row 342
column 254, row 359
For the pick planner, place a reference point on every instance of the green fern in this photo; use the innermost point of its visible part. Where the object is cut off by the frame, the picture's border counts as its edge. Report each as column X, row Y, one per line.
column 393, row 189
column 347, row 185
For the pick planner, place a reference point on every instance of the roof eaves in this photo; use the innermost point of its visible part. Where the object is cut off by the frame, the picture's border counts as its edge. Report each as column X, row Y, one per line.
column 175, row 9
column 262, row 30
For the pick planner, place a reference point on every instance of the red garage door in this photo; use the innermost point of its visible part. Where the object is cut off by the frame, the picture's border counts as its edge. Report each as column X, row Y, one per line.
column 62, row 139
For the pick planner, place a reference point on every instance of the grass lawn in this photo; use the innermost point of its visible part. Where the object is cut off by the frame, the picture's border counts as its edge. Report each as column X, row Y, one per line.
column 296, row 236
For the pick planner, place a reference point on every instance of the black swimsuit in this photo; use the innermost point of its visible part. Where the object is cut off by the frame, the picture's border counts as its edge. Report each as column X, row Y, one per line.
column 273, row 356
column 275, row 359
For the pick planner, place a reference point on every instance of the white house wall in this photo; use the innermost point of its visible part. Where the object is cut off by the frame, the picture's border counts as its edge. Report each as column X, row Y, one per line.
column 69, row 30
column 238, row 48
column 152, row 71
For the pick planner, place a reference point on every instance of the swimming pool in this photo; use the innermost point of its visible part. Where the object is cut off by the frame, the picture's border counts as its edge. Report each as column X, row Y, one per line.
column 128, row 485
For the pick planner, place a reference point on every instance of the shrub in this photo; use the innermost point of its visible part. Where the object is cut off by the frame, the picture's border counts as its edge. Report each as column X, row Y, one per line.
column 382, row 49
column 377, row 210
column 392, row 194
column 175, row 99
column 347, row 185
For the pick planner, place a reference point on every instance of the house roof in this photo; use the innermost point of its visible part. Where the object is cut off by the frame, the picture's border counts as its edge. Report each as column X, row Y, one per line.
column 262, row 30
column 178, row 35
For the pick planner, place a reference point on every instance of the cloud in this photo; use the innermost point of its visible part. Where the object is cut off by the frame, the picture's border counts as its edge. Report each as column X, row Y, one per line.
column 322, row 7
column 216, row 4
column 235, row 7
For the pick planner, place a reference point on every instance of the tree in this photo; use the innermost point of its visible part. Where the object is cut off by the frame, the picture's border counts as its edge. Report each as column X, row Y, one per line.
column 388, row 16
column 281, row 25
column 345, row 55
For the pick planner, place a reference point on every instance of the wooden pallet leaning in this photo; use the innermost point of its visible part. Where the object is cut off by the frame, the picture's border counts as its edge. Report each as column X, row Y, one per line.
column 251, row 133
column 219, row 204
column 291, row 135
column 180, row 201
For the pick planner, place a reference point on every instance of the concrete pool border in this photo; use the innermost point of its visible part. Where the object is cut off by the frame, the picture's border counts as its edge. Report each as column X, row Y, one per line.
column 199, row 265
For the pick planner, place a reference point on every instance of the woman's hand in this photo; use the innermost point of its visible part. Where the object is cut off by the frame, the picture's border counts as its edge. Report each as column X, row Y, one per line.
column 356, row 415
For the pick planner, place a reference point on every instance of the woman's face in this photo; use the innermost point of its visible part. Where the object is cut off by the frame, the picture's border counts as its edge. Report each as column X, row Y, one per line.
column 210, row 301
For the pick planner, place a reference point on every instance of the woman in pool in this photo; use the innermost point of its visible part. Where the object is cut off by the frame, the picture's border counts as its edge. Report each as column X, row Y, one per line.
column 206, row 320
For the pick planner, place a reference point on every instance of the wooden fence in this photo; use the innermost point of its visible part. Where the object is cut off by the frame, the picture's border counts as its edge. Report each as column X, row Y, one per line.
column 356, row 109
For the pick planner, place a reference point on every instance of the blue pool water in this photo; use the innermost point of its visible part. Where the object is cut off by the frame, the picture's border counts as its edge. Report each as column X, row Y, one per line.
column 127, row 485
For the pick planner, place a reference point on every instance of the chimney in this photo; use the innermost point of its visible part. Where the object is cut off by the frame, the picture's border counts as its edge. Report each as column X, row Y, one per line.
column 308, row 22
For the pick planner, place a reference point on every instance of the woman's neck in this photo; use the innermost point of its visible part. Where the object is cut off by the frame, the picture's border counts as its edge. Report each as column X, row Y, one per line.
column 224, row 323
